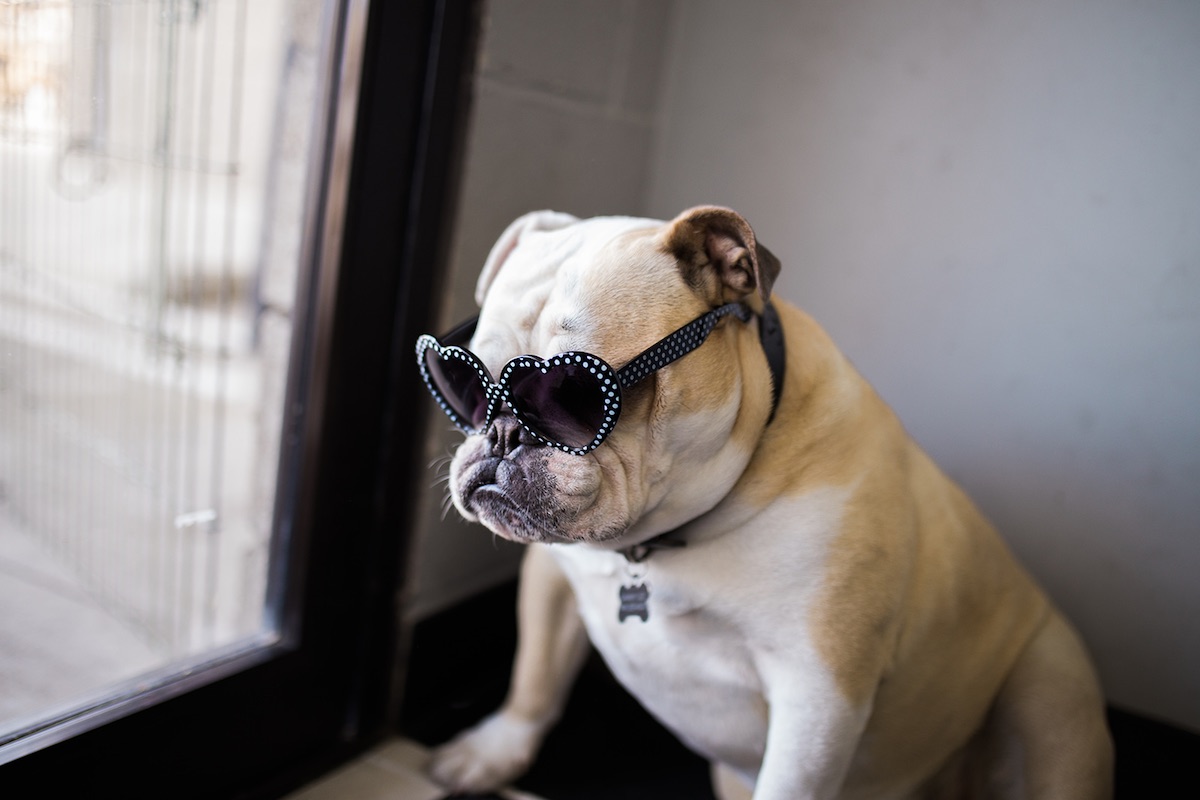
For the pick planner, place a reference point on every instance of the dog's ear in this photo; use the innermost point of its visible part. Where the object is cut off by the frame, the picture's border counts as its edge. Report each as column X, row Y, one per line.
column 713, row 238
column 504, row 246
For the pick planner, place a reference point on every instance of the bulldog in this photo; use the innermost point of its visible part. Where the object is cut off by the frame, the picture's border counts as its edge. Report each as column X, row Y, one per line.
column 716, row 500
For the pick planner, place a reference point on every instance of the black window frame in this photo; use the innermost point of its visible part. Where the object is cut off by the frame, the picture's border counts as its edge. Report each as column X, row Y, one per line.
column 258, row 723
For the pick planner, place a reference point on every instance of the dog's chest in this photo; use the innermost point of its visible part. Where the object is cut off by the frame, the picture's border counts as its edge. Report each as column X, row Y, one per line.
column 712, row 609
column 686, row 664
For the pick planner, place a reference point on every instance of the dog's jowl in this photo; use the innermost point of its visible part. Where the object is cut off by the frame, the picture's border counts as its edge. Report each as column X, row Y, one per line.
column 816, row 607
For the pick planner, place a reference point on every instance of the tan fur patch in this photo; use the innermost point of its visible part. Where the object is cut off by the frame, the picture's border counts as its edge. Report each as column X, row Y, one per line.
column 904, row 519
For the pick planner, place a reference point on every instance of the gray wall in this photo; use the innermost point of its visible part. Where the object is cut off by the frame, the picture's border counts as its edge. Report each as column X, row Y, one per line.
column 994, row 207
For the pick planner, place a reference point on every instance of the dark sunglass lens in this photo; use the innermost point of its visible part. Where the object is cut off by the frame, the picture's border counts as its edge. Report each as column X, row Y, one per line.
column 565, row 404
column 460, row 387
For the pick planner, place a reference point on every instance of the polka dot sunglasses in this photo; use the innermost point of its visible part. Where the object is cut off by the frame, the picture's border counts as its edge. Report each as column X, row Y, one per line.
column 570, row 401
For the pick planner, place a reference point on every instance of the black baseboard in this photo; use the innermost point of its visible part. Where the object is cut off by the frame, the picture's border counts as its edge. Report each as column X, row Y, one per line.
column 1154, row 758
column 608, row 747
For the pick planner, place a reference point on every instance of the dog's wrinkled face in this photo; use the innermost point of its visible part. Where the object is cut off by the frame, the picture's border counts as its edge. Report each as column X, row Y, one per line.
column 613, row 287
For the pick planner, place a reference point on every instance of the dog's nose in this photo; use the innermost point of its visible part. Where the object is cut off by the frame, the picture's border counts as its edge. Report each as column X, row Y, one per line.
column 505, row 435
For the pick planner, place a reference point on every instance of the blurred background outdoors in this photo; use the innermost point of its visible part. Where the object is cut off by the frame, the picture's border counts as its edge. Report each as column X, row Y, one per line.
column 152, row 157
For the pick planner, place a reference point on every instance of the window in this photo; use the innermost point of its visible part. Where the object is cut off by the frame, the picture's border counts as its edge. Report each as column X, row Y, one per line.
column 220, row 226
column 151, row 220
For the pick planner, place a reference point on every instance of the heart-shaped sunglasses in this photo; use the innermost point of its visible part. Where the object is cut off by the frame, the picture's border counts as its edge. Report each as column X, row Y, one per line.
column 570, row 401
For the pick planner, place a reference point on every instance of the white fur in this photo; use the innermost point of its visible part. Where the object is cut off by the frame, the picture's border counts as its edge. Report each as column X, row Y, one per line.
column 715, row 611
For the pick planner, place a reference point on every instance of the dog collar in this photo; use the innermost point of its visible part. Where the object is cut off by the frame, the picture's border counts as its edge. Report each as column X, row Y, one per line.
column 638, row 553
column 770, row 335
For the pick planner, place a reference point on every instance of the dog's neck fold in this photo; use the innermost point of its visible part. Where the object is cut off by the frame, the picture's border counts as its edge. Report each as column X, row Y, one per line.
column 770, row 334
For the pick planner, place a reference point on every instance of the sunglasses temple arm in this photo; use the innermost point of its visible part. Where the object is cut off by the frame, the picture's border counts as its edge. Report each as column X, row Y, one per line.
column 660, row 355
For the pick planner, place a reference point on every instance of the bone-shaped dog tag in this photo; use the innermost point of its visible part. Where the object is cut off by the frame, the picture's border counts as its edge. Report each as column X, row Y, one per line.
column 634, row 602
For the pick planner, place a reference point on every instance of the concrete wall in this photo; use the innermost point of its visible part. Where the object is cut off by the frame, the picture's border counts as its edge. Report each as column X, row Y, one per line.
column 994, row 207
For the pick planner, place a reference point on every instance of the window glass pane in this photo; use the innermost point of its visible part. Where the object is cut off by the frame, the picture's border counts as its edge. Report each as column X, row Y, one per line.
column 153, row 160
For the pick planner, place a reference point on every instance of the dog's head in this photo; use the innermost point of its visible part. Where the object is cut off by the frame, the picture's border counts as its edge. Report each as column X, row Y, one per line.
column 612, row 287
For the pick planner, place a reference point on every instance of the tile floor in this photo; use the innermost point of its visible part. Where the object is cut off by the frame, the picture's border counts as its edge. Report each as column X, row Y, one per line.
column 393, row 770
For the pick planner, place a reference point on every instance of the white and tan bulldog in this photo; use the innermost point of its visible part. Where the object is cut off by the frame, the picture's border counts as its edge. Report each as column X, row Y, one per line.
column 834, row 618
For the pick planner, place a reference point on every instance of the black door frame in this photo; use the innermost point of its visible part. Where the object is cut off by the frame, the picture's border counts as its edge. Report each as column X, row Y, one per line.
column 258, row 722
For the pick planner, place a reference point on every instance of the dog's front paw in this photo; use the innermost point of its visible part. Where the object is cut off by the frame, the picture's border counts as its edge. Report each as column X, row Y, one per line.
column 488, row 756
